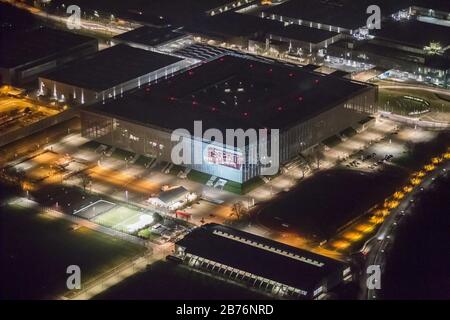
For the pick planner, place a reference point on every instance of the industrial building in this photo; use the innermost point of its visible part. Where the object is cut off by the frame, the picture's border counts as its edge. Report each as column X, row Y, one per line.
column 345, row 16
column 232, row 28
column 150, row 38
column 25, row 55
column 274, row 267
column 296, row 39
column 108, row 74
column 231, row 92
column 417, row 48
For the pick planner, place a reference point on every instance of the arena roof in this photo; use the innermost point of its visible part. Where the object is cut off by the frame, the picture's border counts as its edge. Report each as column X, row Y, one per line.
column 234, row 92
column 260, row 256
column 20, row 48
column 111, row 67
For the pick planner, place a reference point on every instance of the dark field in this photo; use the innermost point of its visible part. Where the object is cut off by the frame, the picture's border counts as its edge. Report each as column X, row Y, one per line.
column 35, row 251
column 328, row 200
column 166, row 280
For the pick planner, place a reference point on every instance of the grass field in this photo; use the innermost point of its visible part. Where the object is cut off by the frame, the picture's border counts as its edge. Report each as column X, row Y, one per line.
column 395, row 101
column 36, row 250
column 166, row 280
column 124, row 219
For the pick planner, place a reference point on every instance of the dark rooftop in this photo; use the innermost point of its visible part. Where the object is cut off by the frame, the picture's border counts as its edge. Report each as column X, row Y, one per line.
column 19, row 48
column 232, row 24
column 111, row 67
column 149, row 36
column 433, row 61
column 441, row 5
column 233, row 92
column 349, row 14
column 303, row 269
column 414, row 33
column 302, row 33
column 172, row 194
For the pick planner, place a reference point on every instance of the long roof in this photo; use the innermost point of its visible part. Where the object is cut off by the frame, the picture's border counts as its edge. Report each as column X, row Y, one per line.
column 111, row 67
column 262, row 257
column 20, row 48
column 348, row 14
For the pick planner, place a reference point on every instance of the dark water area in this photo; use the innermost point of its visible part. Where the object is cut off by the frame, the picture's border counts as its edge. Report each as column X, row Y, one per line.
column 418, row 264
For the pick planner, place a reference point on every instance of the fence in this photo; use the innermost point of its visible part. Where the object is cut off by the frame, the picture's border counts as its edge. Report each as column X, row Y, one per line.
column 97, row 227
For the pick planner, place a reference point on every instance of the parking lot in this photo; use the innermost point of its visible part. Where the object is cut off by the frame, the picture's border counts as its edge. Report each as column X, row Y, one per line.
column 17, row 112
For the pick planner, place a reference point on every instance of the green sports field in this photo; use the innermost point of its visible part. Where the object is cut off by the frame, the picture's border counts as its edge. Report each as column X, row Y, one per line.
column 124, row 219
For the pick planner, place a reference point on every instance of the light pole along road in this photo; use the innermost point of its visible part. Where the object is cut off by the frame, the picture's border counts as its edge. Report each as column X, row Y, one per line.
column 377, row 245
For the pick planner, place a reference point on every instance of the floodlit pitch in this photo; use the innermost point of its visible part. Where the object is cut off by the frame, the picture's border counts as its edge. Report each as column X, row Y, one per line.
column 124, row 219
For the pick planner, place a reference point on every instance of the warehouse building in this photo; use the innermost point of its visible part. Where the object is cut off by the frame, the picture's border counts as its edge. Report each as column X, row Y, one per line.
column 420, row 50
column 25, row 55
column 232, row 93
column 267, row 265
column 344, row 16
column 107, row 74
column 296, row 38
column 151, row 38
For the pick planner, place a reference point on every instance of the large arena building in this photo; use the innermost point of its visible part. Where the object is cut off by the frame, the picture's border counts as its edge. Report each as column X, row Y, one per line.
column 261, row 263
column 231, row 92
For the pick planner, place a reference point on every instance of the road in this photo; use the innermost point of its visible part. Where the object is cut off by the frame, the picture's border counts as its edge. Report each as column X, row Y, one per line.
column 414, row 87
column 378, row 245
column 111, row 29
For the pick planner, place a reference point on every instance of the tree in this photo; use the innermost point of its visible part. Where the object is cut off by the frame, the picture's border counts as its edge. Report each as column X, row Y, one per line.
column 316, row 159
column 303, row 169
column 21, row 177
column 238, row 210
column 85, row 180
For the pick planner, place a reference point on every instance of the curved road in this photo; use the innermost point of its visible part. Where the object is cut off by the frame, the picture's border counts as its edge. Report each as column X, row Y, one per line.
column 378, row 245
